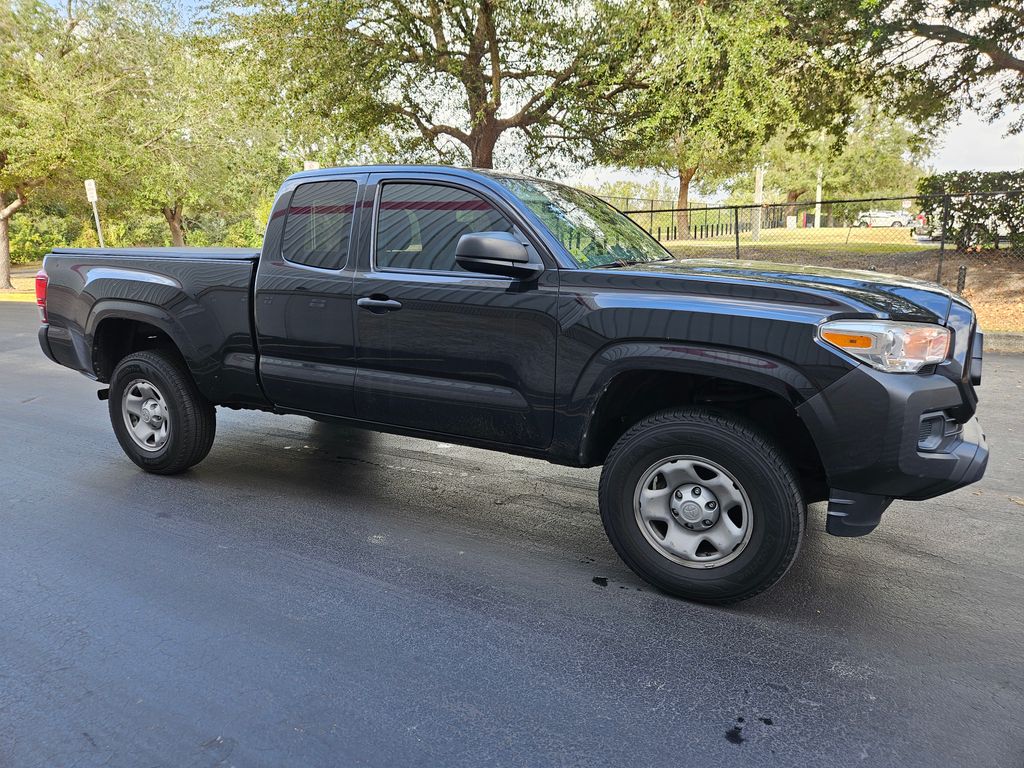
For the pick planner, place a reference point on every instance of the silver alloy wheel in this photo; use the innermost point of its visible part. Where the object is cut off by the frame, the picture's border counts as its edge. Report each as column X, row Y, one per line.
column 693, row 511
column 145, row 415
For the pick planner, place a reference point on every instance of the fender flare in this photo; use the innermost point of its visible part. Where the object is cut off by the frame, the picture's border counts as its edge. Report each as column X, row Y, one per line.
column 762, row 371
column 121, row 309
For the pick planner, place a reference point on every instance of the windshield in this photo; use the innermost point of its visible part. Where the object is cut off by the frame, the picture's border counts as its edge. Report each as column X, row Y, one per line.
column 593, row 232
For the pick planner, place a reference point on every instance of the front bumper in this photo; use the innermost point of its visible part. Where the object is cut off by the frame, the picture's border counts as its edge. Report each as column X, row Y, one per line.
column 873, row 433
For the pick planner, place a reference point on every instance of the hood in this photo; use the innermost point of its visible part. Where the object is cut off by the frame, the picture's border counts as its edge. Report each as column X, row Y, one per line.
column 889, row 295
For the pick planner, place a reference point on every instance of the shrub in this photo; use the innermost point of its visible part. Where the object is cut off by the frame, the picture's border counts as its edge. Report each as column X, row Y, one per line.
column 985, row 209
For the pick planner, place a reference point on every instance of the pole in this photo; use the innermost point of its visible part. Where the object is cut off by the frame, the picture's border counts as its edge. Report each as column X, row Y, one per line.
column 99, row 229
column 942, row 240
column 736, row 227
column 92, row 196
column 755, row 224
column 817, row 201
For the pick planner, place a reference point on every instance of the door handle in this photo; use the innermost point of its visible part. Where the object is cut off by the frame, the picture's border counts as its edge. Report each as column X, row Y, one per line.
column 378, row 305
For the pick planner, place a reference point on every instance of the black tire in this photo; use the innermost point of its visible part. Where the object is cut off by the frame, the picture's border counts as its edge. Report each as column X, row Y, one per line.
column 777, row 508
column 191, row 419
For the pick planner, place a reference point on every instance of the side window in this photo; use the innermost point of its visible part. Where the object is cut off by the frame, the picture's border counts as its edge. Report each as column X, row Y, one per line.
column 319, row 224
column 419, row 225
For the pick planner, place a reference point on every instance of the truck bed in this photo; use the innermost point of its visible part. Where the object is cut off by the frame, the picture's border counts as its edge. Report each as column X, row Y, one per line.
column 200, row 298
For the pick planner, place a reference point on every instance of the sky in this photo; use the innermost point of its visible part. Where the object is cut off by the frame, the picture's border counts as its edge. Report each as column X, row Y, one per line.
column 974, row 144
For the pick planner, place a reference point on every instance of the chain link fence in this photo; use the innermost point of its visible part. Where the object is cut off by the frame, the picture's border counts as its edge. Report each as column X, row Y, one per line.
column 972, row 244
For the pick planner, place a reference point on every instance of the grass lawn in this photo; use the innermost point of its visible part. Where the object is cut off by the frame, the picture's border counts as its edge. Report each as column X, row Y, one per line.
column 24, row 289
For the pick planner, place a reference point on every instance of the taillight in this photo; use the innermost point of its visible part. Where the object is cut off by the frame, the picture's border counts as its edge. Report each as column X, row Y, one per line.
column 41, row 282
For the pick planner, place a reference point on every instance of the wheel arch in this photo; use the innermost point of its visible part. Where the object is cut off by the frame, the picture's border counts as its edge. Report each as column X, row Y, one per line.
column 627, row 383
column 118, row 328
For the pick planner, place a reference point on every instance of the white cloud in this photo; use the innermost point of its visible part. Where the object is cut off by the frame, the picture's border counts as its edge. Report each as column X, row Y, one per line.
column 975, row 145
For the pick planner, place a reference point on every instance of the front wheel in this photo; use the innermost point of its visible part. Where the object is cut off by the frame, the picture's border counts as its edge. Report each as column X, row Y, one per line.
column 702, row 505
column 160, row 418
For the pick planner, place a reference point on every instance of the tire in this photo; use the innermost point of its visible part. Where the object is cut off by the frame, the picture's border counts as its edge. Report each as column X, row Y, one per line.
column 155, row 385
column 759, row 493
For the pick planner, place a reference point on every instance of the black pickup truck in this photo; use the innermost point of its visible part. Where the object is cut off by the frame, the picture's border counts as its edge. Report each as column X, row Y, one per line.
column 510, row 313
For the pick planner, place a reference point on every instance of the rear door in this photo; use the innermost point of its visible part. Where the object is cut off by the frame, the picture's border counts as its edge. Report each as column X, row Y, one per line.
column 441, row 349
column 303, row 306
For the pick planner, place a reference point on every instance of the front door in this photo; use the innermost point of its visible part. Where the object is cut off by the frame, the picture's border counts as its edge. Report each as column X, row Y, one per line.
column 445, row 350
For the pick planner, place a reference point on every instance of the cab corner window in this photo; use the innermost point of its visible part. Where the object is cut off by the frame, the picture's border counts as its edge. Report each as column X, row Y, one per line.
column 419, row 225
column 319, row 224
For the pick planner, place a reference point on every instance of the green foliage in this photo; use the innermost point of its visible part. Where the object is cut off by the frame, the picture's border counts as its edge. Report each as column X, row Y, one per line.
column 60, row 74
column 33, row 237
column 971, row 183
column 201, row 137
column 430, row 80
column 878, row 156
column 618, row 192
column 724, row 83
column 924, row 58
column 979, row 207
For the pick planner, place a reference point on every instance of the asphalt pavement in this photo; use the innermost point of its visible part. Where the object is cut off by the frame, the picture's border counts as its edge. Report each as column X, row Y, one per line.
column 312, row 595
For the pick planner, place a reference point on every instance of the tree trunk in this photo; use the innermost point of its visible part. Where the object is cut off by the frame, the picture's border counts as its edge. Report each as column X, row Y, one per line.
column 791, row 197
column 482, row 149
column 5, row 255
column 6, row 211
column 683, row 203
column 176, row 224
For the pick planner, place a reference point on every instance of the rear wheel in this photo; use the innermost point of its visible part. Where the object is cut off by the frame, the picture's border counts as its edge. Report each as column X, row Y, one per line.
column 160, row 418
column 702, row 506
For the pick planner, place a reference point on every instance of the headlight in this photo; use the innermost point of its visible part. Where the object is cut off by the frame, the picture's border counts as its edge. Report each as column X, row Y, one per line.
column 888, row 346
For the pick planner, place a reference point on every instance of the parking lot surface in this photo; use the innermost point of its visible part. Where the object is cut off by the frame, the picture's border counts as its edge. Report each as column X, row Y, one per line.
column 314, row 595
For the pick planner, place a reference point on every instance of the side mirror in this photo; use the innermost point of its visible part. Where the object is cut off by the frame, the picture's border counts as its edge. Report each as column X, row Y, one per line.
column 496, row 253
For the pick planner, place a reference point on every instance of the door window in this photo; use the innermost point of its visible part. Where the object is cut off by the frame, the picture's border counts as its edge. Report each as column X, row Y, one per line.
column 419, row 225
column 319, row 224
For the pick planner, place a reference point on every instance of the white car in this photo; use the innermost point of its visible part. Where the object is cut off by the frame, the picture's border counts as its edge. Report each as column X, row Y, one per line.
column 884, row 219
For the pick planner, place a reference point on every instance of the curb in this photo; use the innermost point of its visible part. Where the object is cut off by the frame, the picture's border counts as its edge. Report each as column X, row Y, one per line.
column 1011, row 343
column 17, row 296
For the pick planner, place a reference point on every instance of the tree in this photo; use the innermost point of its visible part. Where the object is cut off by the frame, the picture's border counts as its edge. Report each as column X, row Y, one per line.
column 879, row 156
column 724, row 83
column 451, row 80
column 200, row 135
column 930, row 58
column 59, row 74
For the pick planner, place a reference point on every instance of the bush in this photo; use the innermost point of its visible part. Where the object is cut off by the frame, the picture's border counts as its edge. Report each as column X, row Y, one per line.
column 985, row 209
column 37, row 231
column 32, row 237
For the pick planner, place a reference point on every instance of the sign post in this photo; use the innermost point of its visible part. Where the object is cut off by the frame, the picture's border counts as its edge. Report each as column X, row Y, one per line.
column 92, row 197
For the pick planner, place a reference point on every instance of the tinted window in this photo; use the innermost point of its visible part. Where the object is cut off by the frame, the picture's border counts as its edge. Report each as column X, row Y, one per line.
column 319, row 224
column 419, row 225
column 591, row 230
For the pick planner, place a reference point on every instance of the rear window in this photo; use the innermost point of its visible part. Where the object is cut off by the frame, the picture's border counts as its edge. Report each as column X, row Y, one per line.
column 319, row 224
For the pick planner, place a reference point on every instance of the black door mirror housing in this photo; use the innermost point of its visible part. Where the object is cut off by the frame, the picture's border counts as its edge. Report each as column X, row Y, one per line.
column 496, row 253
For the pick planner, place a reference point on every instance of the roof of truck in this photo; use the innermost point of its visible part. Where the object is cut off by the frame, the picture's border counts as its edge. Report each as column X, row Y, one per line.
column 451, row 170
